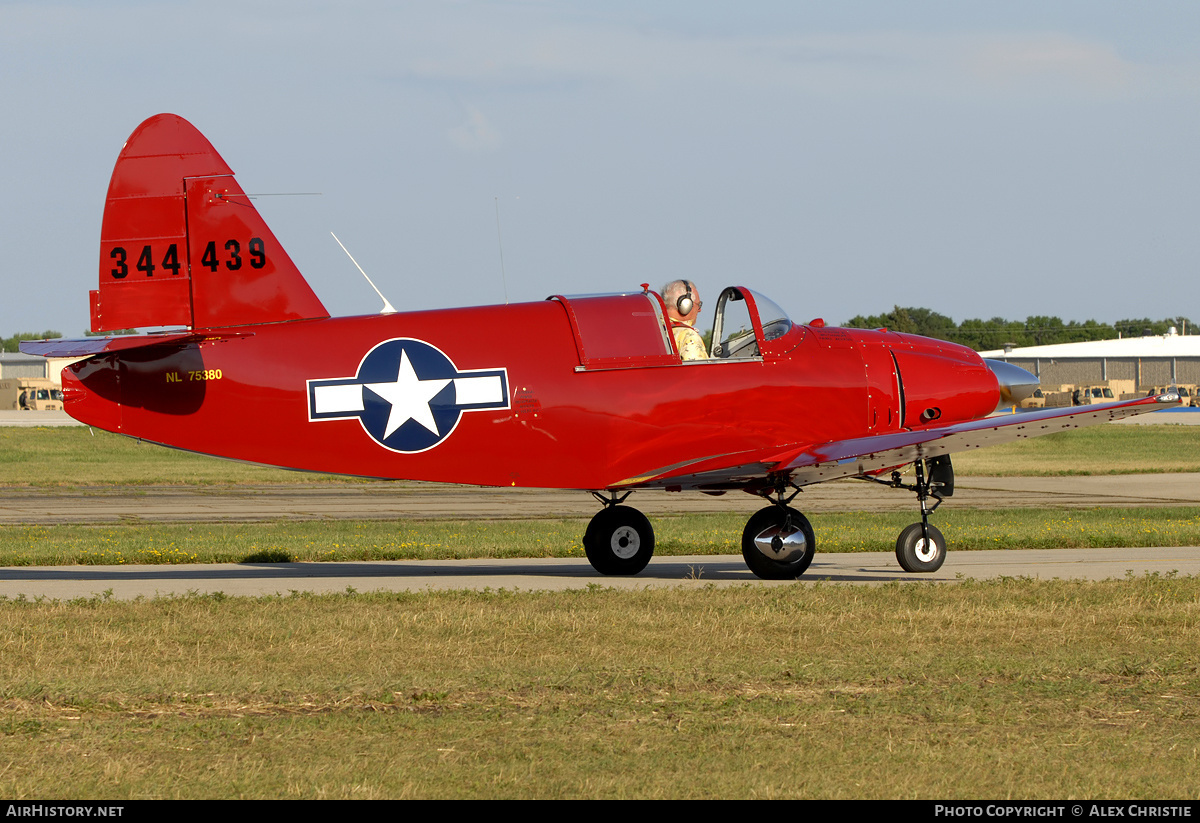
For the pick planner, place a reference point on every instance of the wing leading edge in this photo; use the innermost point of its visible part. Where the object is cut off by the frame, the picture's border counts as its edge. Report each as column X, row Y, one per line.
column 817, row 463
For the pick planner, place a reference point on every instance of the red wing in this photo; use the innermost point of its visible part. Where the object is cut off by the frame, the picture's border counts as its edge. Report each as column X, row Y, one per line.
column 816, row 463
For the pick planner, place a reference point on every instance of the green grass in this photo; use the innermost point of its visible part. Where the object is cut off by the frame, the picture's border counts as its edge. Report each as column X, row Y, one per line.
column 79, row 456
column 1094, row 450
column 703, row 534
column 1006, row 689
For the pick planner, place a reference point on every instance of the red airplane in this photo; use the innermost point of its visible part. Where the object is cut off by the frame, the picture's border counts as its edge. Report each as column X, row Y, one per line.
column 582, row 393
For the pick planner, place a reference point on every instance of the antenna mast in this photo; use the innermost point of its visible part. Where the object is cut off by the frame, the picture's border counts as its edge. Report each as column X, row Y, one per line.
column 387, row 307
column 499, row 242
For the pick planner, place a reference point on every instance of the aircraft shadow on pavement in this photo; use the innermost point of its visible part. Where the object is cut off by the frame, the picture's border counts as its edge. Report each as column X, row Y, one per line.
column 716, row 570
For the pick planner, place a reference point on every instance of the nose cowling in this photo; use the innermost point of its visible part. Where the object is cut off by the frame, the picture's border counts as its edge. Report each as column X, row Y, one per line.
column 1015, row 383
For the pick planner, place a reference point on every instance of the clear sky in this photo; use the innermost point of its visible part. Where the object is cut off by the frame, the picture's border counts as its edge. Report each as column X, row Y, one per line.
column 977, row 158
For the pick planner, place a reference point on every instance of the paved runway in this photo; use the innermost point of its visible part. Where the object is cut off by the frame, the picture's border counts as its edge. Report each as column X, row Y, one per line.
column 402, row 500
column 128, row 582
column 36, row 419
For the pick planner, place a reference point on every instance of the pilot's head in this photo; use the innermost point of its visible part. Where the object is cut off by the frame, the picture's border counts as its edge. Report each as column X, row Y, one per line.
column 682, row 299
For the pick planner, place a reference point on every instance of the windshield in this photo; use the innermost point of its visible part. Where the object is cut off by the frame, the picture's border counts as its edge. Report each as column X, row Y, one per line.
column 733, row 327
column 775, row 322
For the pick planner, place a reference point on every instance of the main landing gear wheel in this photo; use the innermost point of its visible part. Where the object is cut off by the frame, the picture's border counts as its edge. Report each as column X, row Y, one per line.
column 778, row 543
column 918, row 554
column 619, row 540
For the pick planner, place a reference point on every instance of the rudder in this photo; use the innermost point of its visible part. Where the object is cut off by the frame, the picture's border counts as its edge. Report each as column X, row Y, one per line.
column 181, row 243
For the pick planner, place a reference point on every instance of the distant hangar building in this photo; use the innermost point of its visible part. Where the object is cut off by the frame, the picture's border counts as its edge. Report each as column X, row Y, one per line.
column 1152, row 361
column 16, row 364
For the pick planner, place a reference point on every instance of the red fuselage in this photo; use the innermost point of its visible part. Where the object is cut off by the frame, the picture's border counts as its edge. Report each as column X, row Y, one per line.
column 546, row 413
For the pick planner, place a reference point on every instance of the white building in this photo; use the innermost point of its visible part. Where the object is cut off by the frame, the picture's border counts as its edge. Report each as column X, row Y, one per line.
column 16, row 364
column 1158, row 360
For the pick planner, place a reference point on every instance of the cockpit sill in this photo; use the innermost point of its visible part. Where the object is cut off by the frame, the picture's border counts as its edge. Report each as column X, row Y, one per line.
column 621, row 331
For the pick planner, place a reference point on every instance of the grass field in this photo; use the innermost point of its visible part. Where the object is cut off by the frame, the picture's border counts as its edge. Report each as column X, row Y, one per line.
column 1008, row 689
column 1095, row 450
column 1003, row 689
column 79, row 456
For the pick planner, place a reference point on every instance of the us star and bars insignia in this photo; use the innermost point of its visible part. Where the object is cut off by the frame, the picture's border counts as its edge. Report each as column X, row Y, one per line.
column 408, row 395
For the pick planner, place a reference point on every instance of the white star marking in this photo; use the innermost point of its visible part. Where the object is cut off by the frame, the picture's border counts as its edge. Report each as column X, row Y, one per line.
column 409, row 396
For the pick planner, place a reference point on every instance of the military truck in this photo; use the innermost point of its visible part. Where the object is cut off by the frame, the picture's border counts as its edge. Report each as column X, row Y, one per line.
column 30, row 394
column 1094, row 394
column 1036, row 400
column 1105, row 392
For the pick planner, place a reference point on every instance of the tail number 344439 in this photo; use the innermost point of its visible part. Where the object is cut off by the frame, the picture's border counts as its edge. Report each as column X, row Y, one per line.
column 212, row 259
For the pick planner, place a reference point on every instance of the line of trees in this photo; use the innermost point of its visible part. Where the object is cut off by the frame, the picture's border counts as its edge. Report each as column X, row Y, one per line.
column 1035, row 330
column 13, row 343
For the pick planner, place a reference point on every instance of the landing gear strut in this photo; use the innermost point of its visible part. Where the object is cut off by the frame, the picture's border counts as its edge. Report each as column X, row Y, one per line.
column 619, row 539
column 921, row 547
column 778, row 542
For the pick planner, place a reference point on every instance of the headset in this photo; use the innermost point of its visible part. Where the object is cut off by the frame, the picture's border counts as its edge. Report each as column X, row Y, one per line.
column 685, row 302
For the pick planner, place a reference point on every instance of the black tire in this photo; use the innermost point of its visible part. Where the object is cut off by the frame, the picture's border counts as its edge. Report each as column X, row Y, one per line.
column 766, row 567
column 917, row 556
column 619, row 540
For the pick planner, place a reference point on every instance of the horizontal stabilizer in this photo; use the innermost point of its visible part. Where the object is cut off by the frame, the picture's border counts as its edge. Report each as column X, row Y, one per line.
column 88, row 346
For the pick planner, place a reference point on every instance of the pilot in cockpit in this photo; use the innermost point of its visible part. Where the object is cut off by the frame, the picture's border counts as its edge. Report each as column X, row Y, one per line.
column 683, row 306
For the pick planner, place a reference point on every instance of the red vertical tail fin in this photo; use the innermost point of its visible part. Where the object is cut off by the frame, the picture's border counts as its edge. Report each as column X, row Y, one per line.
column 181, row 243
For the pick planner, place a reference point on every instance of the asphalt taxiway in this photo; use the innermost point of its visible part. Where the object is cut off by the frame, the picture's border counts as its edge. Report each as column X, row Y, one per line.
column 247, row 579
column 433, row 501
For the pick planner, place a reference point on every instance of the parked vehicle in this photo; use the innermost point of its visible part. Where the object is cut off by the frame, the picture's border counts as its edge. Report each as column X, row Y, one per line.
column 1093, row 394
column 1037, row 400
column 30, row 394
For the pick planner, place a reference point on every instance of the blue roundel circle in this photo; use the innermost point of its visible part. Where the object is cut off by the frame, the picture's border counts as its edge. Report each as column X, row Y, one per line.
column 409, row 402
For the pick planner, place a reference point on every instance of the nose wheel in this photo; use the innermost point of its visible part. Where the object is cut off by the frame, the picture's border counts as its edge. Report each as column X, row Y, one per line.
column 921, row 553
